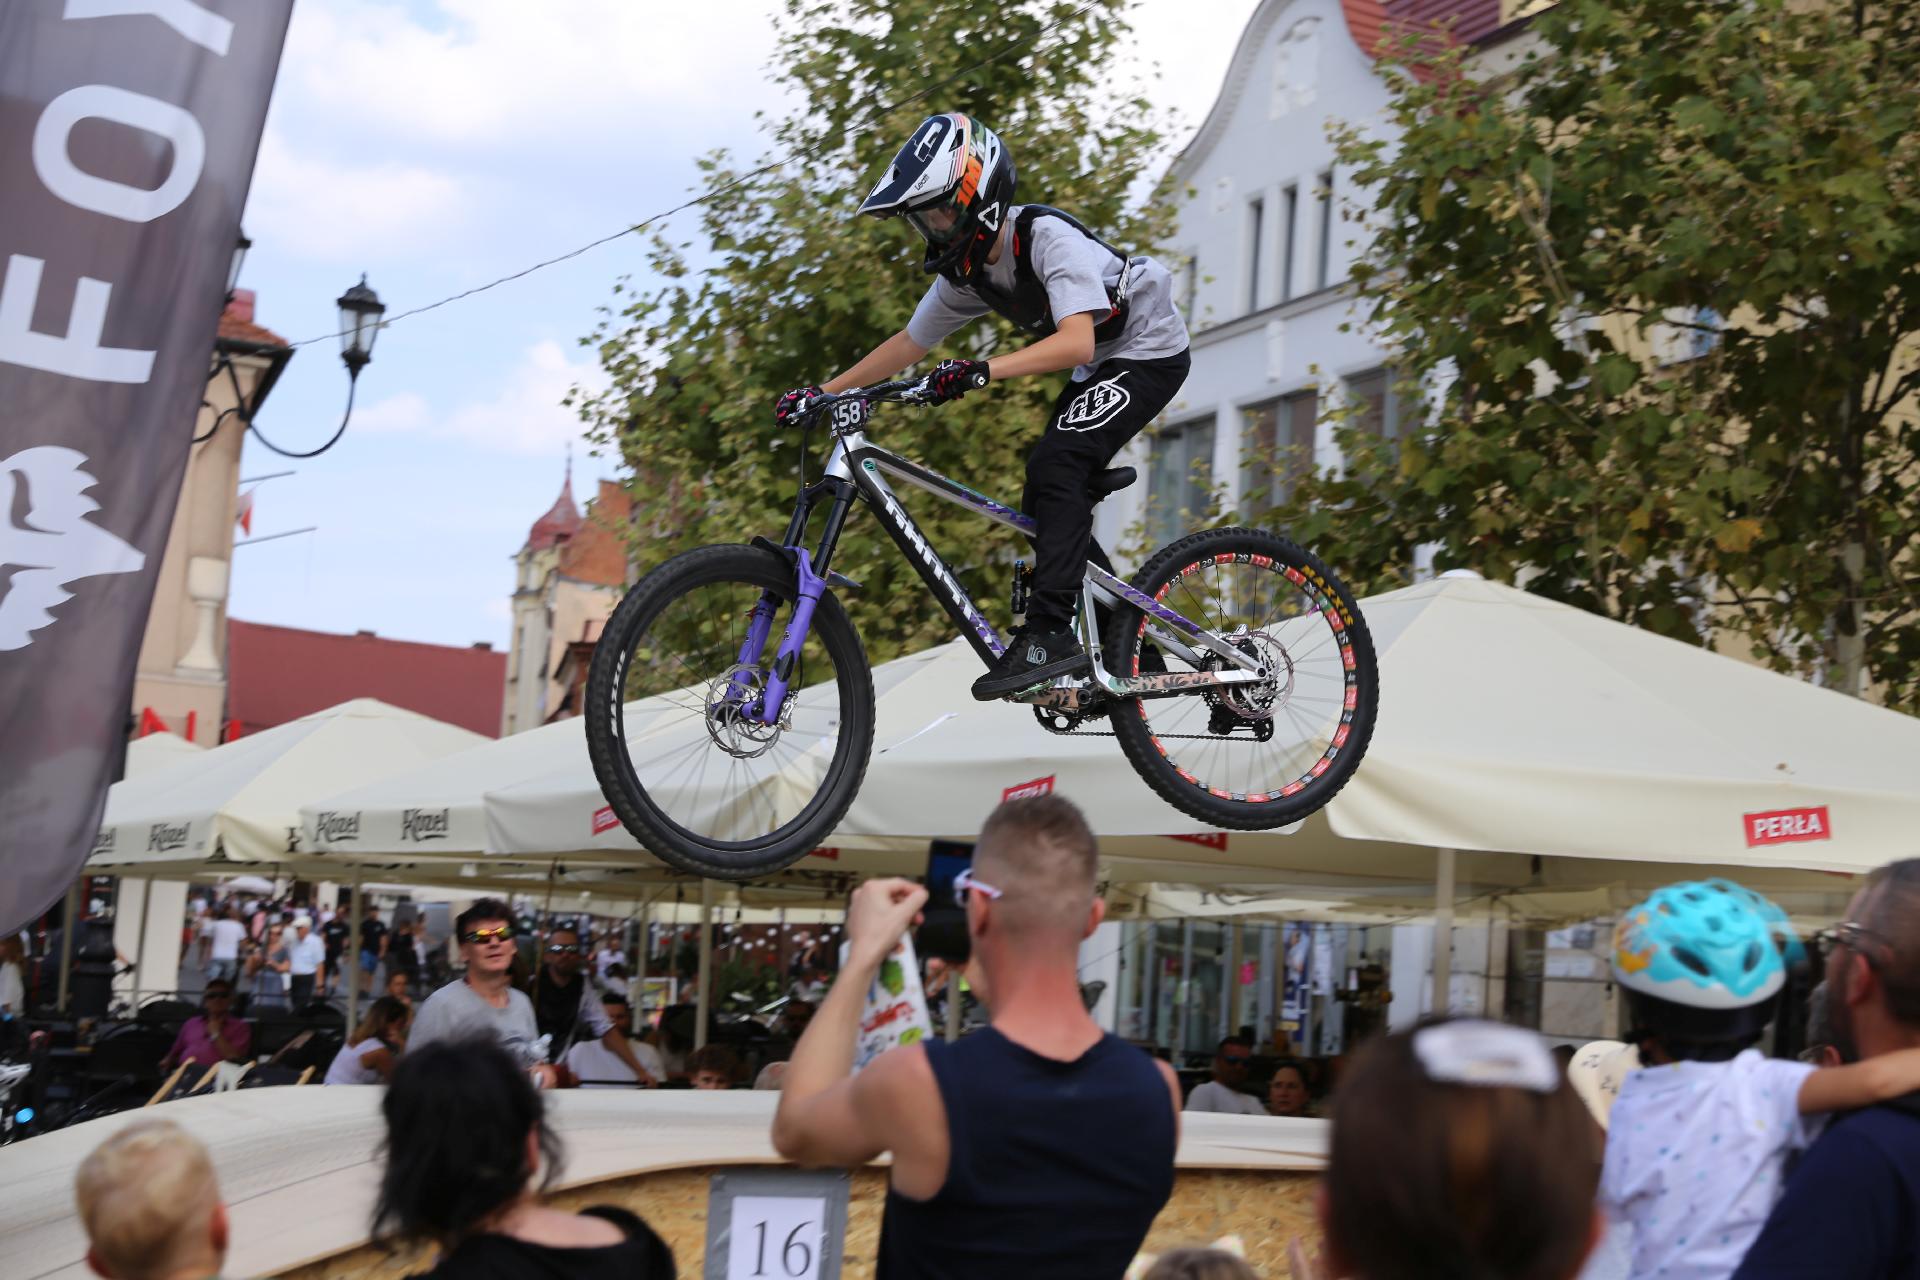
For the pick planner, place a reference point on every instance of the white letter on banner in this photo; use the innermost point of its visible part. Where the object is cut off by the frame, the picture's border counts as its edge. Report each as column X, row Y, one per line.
column 208, row 30
column 117, row 199
column 79, row 354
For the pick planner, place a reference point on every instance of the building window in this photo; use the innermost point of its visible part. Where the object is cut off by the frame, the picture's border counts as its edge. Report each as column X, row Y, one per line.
column 1279, row 436
column 1179, row 478
column 1324, row 258
column 1382, row 410
column 1256, row 233
column 1186, row 282
column 1290, row 231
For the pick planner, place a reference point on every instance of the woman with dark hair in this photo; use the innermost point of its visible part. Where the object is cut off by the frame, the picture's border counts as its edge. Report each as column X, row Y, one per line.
column 467, row 1138
column 369, row 1055
column 1459, row 1152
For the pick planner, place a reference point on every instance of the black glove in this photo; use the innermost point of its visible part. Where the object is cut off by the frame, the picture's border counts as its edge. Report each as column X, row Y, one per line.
column 794, row 403
column 952, row 379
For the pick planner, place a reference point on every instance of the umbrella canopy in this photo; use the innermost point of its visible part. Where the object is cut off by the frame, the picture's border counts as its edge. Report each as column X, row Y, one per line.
column 1510, row 727
column 158, row 751
column 240, row 802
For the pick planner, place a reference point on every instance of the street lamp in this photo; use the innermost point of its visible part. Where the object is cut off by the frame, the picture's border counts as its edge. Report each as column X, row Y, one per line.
column 240, row 247
column 360, row 312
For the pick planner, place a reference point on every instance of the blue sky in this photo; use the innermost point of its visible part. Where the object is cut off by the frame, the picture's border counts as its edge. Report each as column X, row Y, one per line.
column 435, row 146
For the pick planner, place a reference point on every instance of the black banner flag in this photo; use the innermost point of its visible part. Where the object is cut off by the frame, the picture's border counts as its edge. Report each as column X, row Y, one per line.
column 128, row 130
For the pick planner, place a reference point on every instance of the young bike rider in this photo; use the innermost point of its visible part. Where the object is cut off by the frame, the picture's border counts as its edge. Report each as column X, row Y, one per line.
column 1109, row 317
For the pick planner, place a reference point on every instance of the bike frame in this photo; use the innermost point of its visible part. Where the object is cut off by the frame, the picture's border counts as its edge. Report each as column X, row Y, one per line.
column 857, row 468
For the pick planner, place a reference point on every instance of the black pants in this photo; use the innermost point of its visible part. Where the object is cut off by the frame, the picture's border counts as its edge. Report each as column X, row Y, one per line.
column 1092, row 421
column 299, row 989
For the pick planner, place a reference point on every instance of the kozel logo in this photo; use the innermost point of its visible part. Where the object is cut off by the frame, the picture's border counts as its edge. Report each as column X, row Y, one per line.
column 103, row 843
column 423, row 824
column 161, row 838
column 338, row 827
column 1096, row 406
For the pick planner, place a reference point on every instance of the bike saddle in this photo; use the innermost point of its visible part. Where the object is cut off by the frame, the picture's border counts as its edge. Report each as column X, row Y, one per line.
column 1112, row 480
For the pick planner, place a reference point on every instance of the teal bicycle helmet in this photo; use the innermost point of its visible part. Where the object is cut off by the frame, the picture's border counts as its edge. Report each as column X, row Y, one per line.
column 1703, row 962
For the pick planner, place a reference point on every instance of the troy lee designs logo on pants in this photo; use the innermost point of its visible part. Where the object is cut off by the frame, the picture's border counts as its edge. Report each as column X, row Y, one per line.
column 1096, row 406
column 423, row 824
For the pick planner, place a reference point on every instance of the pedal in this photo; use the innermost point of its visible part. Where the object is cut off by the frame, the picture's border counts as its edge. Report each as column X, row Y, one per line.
column 1022, row 590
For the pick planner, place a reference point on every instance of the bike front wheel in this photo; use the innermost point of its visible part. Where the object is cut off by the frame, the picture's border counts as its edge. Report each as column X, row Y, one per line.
column 1250, row 757
column 700, row 780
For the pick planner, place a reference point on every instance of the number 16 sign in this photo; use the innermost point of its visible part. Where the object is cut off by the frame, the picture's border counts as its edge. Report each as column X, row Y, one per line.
column 776, row 1224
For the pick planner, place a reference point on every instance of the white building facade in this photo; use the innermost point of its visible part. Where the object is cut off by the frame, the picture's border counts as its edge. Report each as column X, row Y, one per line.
column 1265, row 252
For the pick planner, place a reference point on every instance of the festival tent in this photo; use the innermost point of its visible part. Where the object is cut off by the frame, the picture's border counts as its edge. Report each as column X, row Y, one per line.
column 239, row 803
column 1543, row 746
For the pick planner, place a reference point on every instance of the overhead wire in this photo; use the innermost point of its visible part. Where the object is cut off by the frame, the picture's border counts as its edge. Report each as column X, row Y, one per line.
column 1025, row 44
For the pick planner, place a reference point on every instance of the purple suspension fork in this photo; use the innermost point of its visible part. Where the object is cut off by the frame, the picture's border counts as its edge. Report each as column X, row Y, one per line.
column 787, row 658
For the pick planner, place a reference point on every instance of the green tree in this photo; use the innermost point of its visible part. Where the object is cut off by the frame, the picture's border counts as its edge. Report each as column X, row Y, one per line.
column 1660, row 288
column 799, row 287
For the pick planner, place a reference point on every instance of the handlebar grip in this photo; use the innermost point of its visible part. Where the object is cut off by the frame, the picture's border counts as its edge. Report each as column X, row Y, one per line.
column 978, row 380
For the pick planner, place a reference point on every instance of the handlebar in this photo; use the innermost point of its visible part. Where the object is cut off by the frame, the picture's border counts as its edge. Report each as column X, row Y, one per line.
column 914, row 391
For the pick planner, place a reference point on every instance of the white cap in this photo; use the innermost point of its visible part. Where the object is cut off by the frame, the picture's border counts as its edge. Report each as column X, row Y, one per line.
column 303, row 921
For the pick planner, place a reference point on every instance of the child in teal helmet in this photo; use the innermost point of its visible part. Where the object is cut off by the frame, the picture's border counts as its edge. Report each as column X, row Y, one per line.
column 1698, row 1141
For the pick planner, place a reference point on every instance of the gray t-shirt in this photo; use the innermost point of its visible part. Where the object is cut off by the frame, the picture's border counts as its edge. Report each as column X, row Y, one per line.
column 456, row 1010
column 1076, row 272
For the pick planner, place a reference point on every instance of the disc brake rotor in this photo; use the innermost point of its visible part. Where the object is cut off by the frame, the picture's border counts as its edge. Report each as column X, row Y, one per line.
column 731, row 698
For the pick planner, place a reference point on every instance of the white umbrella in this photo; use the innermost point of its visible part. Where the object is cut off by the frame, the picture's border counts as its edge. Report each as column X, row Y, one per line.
column 157, row 751
column 240, row 802
column 1510, row 726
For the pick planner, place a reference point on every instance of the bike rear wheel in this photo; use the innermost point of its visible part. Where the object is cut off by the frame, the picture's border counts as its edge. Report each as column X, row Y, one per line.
column 698, row 781
column 1250, row 757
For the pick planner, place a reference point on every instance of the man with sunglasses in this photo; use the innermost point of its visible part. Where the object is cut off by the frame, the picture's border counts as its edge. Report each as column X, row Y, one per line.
column 1038, row 1146
column 1227, row 1091
column 1851, row 1207
column 485, row 1002
column 213, row 1035
column 568, row 1011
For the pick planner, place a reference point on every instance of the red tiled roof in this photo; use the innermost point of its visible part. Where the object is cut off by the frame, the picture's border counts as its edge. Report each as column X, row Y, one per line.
column 561, row 521
column 597, row 551
column 1364, row 20
column 278, row 674
column 236, row 322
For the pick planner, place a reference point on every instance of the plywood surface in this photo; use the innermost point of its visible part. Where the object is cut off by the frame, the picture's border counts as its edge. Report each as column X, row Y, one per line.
column 299, row 1170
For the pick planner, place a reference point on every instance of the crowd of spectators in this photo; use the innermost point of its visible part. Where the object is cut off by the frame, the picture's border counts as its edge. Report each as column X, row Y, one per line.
column 1042, row 1145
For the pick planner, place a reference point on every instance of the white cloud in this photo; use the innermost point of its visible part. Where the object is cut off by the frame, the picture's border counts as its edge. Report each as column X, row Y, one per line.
column 522, row 416
column 330, row 210
column 493, row 72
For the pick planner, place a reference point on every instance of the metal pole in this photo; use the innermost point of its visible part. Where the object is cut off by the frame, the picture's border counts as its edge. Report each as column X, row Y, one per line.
column 140, row 940
column 1185, row 990
column 638, row 991
column 954, row 997
column 1232, row 1002
column 350, row 954
column 1443, row 934
column 703, row 981
column 70, row 921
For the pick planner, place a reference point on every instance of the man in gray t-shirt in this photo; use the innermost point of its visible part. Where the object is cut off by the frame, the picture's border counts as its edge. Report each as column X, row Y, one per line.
column 484, row 1002
column 1107, row 315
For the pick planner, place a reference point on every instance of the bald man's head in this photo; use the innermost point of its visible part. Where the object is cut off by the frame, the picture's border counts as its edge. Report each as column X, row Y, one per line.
column 1043, row 858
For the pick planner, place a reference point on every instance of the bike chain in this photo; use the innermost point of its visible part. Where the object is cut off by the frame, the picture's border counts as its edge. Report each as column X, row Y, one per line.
column 1108, row 733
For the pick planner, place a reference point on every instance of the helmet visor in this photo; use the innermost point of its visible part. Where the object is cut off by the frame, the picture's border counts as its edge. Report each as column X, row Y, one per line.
column 941, row 223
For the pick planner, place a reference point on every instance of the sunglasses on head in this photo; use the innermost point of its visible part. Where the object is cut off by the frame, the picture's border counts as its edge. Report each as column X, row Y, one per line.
column 499, row 933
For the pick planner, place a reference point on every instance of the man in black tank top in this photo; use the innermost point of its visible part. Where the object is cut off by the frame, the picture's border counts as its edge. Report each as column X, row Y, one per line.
column 1040, row 1146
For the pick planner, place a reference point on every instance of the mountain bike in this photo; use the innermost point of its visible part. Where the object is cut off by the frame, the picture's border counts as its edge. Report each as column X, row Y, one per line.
column 730, row 705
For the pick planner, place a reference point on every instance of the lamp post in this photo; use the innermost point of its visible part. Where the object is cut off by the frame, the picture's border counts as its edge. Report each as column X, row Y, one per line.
column 360, row 312
column 240, row 247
